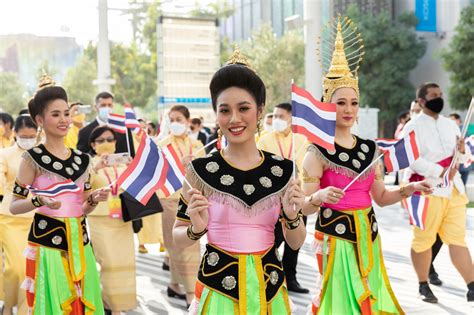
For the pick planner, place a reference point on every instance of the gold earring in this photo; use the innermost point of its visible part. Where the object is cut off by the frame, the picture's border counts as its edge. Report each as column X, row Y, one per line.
column 38, row 135
column 259, row 126
column 219, row 138
column 357, row 119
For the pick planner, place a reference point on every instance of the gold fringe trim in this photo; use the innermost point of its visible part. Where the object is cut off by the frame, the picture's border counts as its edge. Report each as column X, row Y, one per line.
column 52, row 175
column 231, row 200
column 339, row 168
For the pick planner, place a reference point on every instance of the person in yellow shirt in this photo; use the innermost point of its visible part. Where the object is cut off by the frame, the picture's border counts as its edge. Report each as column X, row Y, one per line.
column 14, row 229
column 78, row 120
column 280, row 141
column 184, row 264
column 6, row 131
column 112, row 237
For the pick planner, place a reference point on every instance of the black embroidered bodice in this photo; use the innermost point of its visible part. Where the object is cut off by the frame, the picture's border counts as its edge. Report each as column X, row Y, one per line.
column 215, row 175
column 74, row 167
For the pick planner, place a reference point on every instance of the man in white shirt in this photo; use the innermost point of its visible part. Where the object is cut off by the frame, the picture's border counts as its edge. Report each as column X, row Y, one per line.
column 438, row 138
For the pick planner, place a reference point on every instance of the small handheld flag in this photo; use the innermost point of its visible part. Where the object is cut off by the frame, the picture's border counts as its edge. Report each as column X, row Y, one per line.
column 147, row 172
column 385, row 144
column 117, row 123
column 402, row 154
column 131, row 120
column 175, row 174
column 416, row 206
column 470, row 145
column 314, row 119
column 56, row 189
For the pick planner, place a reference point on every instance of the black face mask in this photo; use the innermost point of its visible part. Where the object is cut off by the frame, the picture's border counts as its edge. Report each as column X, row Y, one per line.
column 435, row 105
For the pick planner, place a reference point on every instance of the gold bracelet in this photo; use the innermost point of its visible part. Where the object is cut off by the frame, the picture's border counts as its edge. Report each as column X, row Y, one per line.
column 403, row 193
column 311, row 202
column 292, row 224
column 91, row 202
column 194, row 236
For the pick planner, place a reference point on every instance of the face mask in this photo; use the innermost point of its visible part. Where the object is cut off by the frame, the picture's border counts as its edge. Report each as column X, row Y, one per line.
column 104, row 113
column 267, row 127
column 25, row 143
column 2, row 131
column 177, row 129
column 435, row 105
column 80, row 118
column 105, row 148
column 279, row 125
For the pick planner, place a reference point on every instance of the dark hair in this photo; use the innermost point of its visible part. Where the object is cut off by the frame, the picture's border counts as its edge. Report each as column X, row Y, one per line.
column 423, row 89
column 96, row 133
column 24, row 121
column 455, row 116
column 196, row 121
column 43, row 97
column 6, row 119
column 75, row 104
column 24, row 112
column 141, row 120
column 403, row 114
column 182, row 109
column 285, row 106
column 151, row 124
column 103, row 95
column 237, row 75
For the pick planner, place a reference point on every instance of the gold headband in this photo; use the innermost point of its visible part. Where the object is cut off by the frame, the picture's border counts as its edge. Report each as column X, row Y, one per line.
column 344, row 50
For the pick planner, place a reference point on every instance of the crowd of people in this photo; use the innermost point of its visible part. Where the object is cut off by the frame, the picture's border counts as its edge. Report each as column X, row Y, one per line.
column 74, row 254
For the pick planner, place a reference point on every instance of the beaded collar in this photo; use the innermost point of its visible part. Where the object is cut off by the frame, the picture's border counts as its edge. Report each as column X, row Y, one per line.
column 348, row 161
column 76, row 166
column 213, row 175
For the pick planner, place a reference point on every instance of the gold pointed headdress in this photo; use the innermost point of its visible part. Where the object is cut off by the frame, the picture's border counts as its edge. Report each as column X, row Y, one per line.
column 238, row 58
column 340, row 56
column 45, row 81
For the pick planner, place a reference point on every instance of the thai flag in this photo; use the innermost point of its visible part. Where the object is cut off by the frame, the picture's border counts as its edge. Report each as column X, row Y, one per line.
column 402, row 154
column 55, row 190
column 175, row 175
column 470, row 145
column 314, row 119
column 131, row 120
column 222, row 143
column 117, row 123
column 385, row 144
column 147, row 172
column 416, row 205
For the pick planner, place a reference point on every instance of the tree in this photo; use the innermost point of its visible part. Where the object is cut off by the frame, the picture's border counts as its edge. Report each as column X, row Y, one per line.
column 78, row 80
column 12, row 93
column 392, row 50
column 219, row 9
column 276, row 61
column 459, row 61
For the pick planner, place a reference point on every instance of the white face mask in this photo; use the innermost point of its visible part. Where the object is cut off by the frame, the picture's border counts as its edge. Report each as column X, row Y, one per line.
column 279, row 125
column 25, row 143
column 177, row 129
column 268, row 127
column 104, row 113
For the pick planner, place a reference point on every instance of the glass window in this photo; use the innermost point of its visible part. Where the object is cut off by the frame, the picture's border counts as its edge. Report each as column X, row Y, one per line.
column 277, row 16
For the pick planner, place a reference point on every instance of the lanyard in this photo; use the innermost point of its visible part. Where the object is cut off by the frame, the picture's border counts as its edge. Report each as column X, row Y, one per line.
column 281, row 149
column 114, row 187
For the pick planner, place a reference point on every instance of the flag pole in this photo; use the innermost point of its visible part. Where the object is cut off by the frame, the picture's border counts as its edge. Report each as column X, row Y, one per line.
column 293, row 157
column 207, row 145
column 360, row 174
column 464, row 130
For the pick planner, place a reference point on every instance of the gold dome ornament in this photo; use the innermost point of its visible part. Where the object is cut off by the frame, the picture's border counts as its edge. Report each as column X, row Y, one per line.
column 341, row 56
column 237, row 58
column 45, row 81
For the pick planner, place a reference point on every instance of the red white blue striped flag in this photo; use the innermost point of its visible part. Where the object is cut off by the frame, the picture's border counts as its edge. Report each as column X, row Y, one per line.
column 117, row 123
column 175, row 174
column 470, row 145
column 384, row 144
column 314, row 119
column 147, row 172
column 56, row 189
column 402, row 154
column 131, row 120
column 417, row 206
